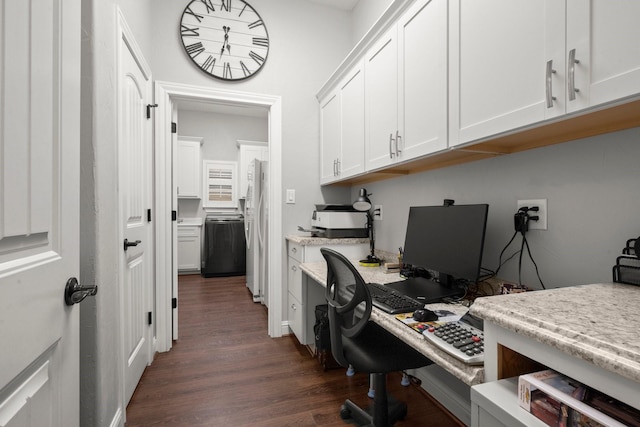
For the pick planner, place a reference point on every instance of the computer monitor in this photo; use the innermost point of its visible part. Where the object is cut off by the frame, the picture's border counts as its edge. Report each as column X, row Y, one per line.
column 447, row 239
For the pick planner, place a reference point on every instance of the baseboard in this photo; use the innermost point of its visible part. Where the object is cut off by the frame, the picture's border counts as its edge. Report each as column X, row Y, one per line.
column 117, row 420
column 284, row 328
column 448, row 390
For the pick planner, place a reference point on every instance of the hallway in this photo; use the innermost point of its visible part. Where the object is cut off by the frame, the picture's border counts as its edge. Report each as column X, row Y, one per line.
column 225, row 371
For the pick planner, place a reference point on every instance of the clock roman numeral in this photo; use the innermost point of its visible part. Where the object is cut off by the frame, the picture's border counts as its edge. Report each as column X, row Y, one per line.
column 259, row 59
column 245, row 70
column 226, row 5
column 189, row 32
column 261, row 41
column 245, row 6
column 195, row 15
column 227, row 71
column 209, row 5
column 208, row 64
column 195, row 49
column 256, row 24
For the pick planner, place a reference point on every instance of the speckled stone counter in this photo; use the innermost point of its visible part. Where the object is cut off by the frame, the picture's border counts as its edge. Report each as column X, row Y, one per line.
column 597, row 323
column 317, row 241
column 468, row 374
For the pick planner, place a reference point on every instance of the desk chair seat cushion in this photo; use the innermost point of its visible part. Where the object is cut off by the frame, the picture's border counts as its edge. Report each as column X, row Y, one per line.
column 376, row 350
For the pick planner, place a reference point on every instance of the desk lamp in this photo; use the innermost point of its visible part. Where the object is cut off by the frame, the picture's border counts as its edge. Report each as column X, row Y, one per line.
column 363, row 204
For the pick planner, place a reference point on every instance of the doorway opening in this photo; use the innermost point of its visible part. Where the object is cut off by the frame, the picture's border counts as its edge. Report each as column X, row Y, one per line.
column 169, row 96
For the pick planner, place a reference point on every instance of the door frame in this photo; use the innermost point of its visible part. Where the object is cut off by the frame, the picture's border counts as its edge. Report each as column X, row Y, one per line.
column 165, row 94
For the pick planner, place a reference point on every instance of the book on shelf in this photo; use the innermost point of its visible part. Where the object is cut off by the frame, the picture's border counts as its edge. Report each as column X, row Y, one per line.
column 560, row 401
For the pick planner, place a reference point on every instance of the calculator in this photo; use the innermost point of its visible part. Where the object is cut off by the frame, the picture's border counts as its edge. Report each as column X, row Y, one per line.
column 463, row 339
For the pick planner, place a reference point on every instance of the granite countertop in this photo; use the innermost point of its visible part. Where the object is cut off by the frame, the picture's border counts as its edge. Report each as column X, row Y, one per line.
column 317, row 241
column 470, row 375
column 598, row 323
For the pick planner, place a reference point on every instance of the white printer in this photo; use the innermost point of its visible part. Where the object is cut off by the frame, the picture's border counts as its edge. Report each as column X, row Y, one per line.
column 334, row 221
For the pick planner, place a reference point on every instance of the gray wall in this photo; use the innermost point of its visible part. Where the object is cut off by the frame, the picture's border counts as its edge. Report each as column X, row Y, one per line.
column 593, row 204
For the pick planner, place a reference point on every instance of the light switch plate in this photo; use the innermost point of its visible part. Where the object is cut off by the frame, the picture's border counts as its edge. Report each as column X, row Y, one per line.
column 291, row 196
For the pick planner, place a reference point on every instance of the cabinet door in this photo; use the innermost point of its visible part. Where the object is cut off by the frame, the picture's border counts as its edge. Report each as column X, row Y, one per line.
column 189, row 248
column 606, row 39
column 189, row 167
column 381, row 89
column 352, row 120
column 329, row 137
column 422, row 62
column 498, row 53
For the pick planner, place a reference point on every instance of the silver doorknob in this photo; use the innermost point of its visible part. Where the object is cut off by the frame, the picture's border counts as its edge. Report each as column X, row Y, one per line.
column 75, row 293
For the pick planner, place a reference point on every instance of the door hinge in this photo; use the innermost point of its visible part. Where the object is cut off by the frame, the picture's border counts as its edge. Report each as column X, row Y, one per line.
column 174, row 303
column 149, row 107
column 150, row 318
column 174, row 127
column 148, row 215
column 174, row 216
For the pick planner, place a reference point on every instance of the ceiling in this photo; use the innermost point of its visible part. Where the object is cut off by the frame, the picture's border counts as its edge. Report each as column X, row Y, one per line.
column 347, row 5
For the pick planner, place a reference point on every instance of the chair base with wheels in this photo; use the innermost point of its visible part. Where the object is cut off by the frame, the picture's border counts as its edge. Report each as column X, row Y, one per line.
column 396, row 410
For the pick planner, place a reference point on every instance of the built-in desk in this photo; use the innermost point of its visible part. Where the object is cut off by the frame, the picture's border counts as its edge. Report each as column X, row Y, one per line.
column 468, row 374
column 589, row 333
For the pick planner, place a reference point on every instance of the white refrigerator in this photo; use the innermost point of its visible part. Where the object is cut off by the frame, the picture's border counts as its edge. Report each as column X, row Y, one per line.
column 256, row 221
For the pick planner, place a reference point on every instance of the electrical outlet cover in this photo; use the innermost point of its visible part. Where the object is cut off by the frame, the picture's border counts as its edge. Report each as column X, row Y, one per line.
column 541, row 224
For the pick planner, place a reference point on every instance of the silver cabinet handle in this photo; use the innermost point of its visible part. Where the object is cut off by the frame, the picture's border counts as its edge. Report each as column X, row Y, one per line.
column 294, row 250
column 334, row 167
column 293, row 268
column 391, row 152
column 572, row 74
column 550, row 71
column 398, row 150
column 293, row 307
column 338, row 163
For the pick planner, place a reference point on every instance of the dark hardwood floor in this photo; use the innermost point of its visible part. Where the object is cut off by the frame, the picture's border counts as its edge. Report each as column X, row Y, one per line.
column 224, row 370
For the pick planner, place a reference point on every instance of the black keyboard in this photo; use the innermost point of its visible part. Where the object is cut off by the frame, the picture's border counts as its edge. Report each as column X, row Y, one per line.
column 392, row 301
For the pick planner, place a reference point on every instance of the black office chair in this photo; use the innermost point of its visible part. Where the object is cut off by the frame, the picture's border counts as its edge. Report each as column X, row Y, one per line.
column 362, row 343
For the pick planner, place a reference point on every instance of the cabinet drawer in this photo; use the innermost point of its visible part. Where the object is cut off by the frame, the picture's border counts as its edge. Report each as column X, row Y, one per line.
column 294, row 278
column 188, row 231
column 296, row 316
column 296, row 251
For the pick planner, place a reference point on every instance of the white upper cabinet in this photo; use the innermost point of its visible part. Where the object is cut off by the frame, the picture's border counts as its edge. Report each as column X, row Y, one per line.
column 406, row 87
column 497, row 63
column 342, row 128
column 515, row 63
column 606, row 38
column 189, row 167
column 422, row 73
column 381, row 88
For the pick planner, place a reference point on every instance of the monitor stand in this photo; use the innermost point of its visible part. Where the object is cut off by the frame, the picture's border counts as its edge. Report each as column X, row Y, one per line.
column 425, row 290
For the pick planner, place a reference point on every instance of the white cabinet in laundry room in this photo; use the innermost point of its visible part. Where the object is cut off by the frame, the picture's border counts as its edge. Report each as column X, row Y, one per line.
column 188, row 164
column 406, row 87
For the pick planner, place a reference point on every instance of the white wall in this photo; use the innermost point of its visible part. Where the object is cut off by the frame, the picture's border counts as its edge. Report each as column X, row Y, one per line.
column 592, row 191
column 364, row 15
column 307, row 42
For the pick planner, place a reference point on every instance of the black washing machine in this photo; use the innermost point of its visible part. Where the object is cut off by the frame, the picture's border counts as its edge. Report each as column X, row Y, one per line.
column 224, row 251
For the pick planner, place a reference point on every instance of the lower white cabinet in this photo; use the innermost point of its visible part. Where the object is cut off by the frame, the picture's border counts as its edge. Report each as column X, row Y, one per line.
column 189, row 249
column 301, row 300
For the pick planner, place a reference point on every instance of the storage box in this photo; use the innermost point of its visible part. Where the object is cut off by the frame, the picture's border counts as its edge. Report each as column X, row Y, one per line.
column 559, row 398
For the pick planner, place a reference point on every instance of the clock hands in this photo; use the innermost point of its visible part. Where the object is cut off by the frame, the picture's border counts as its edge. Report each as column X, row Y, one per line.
column 226, row 40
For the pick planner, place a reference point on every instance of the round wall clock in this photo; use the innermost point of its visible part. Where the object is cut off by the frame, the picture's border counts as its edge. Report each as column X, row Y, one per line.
column 226, row 39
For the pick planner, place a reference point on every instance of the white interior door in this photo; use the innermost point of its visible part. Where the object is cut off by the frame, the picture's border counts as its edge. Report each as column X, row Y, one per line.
column 39, row 211
column 135, row 174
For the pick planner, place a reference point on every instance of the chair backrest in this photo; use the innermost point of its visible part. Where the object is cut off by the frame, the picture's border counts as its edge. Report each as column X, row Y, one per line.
column 348, row 300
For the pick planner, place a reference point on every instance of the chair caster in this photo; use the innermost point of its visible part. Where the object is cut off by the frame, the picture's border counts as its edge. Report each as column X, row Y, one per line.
column 345, row 413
